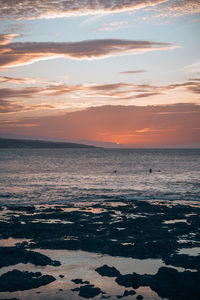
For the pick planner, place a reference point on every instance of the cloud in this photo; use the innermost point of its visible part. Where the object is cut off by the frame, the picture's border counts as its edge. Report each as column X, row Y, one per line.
column 16, row 54
column 30, row 92
column 6, row 79
column 191, row 85
column 113, row 26
column 10, row 107
column 135, row 126
column 5, row 39
column 28, row 80
column 116, row 90
column 38, row 9
column 133, row 72
column 177, row 8
column 147, row 94
column 16, row 27
column 194, row 79
column 192, row 68
column 120, row 90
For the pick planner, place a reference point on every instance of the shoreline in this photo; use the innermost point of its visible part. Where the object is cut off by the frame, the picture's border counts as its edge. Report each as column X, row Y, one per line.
column 136, row 232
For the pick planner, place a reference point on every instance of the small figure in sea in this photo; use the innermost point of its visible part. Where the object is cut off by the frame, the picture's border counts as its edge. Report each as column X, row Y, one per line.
column 115, row 171
column 150, row 170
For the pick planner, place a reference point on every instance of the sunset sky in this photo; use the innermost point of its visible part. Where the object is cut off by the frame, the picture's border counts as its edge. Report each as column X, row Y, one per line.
column 120, row 71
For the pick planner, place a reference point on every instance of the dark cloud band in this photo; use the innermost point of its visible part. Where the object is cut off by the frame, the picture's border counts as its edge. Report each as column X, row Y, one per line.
column 14, row 54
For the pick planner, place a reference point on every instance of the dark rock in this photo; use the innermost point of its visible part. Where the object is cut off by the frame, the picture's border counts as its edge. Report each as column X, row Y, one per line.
column 61, row 276
column 107, row 271
column 167, row 283
column 77, row 289
column 139, row 297
column 13, row 255
column 127, row 293
column 184, row 261
column 88, row 291
column 19, row 281
column 125, row 280
column 80, row 281
column 147, row 235
column 10, row 299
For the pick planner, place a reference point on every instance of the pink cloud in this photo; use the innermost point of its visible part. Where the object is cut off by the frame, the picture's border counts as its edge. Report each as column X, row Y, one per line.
column 134, row 126
column 15, row 54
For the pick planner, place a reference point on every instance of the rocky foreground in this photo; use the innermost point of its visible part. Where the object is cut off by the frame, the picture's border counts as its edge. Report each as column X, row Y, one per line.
column 136, row 229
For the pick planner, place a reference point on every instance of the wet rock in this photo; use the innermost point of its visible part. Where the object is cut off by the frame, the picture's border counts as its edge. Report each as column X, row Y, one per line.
column 146, row 235
column 61, row 276
column 127, row 293
column 184, row 261
column 77, row 289
column 22, row 245
column 88, row 291
column 10, row 299
column 153, row 241
column 19, row 281
column 167, row 283
column 125, row 280
column 80, row 281
column 14, row 255
column 105, row 270
column 139, row 297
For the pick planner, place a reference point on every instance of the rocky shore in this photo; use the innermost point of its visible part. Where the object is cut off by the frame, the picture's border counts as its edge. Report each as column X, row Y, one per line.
column 135, row 230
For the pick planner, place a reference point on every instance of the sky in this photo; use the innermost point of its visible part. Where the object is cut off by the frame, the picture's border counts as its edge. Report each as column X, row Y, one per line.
column 116, row 71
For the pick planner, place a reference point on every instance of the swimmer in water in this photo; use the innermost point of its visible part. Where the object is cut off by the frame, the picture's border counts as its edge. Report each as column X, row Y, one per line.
column 150, row 170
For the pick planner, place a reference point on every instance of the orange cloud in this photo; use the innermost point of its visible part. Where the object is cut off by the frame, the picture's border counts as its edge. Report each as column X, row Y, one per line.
column 16, row 54
column 119, row 90
column 5, row 39
column 8, row 107
column 134, row 126
column 6, row 79
column 177, row 8
column 32, row 9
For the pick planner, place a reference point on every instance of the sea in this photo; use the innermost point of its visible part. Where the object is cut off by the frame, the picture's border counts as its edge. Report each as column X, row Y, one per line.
column 61, row 176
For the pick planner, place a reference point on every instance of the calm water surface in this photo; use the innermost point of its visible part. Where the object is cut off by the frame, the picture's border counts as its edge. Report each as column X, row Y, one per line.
column 63, row 175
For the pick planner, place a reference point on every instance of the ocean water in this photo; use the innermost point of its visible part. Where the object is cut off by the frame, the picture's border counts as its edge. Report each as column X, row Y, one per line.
column 60, row 176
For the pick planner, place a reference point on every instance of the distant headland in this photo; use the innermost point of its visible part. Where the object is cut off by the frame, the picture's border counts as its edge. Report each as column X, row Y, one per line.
column 20, row 143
